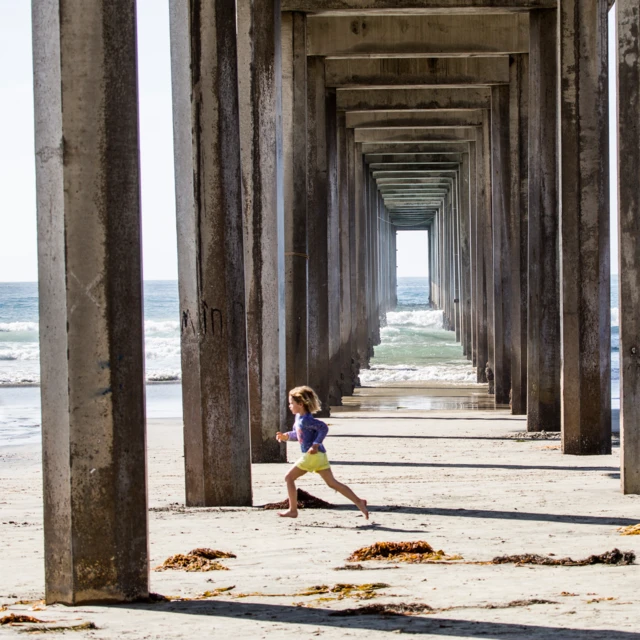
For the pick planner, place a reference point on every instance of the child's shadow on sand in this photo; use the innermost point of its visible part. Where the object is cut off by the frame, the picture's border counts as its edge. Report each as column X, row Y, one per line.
column 371, row 526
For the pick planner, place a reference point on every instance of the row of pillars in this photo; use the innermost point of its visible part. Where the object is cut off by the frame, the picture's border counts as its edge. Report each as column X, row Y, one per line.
column 286, row 249
column 286, row 265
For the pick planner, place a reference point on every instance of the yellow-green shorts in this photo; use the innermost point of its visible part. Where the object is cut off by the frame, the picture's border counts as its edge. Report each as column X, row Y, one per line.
column 313, row 462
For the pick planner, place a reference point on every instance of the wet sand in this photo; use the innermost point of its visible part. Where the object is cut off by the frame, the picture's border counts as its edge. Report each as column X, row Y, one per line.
column 461, row 480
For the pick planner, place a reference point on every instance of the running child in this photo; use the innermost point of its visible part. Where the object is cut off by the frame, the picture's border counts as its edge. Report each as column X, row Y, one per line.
column 310, row 432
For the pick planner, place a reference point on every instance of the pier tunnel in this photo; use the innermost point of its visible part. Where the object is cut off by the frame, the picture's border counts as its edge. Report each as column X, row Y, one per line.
column 306, row 135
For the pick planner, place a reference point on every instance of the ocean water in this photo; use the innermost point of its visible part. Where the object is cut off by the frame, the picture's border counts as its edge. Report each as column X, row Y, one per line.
column 414, row 347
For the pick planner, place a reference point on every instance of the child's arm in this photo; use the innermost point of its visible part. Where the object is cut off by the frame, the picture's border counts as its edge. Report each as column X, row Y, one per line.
column 321, row 433
column 284, row 437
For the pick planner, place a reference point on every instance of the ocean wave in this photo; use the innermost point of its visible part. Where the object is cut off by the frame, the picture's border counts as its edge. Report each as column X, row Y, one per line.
column 19, row 351
column 23, row 327
column 161, row 326
column 615, row 317
column 432, row 319
column 381, row 374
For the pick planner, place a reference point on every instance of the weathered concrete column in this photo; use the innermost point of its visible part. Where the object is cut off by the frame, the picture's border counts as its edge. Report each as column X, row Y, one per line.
column 501, row 203
column 361, row 257
column 333, row 249
column 210, row 254
column 294, row 98
column 343, row 175
column 318, row 309
column 543, row 330
column 519, row 212
column 473, row 251
column 465, row 256
column 628, row 20
column 485, row 251
column 393, row 255
column 90, row 297
column 353, row 252
column 584, row 228
column 260, row 101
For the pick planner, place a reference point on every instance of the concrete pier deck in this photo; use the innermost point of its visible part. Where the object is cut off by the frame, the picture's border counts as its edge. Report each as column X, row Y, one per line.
column 467, row 482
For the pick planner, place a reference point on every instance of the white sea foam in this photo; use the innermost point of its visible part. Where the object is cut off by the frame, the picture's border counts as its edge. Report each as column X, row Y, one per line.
column 11, row 351
column 24, row 327
column 424, row 318
column 614, row 317
column 152, row 327
column 381, row 374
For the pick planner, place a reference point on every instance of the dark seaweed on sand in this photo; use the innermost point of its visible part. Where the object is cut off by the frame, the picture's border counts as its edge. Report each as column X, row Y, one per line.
column 305, row 501
column 615, row 557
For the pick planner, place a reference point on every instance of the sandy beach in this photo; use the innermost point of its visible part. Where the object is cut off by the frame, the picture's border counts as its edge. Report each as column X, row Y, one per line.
column 460, row 479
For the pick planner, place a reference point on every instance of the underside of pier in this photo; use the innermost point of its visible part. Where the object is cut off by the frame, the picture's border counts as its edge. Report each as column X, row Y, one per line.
column 306, row 135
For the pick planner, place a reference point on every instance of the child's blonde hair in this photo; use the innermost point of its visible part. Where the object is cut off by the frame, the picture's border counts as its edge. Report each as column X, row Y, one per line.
column 307, row 397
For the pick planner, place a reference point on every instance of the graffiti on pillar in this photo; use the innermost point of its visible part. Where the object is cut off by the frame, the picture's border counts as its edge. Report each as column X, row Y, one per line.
column 216, row 313
column 186, row 322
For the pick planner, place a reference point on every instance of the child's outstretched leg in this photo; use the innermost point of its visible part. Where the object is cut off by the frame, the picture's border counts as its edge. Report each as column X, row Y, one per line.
column 327, row 476
column 290, row 479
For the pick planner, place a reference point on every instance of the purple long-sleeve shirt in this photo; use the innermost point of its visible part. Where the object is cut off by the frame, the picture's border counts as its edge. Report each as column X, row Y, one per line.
column 308, row 431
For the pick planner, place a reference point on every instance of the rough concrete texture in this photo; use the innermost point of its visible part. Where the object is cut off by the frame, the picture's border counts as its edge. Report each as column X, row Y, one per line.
column 458, row 480
column 210, row 254
column 260, row 102
column 90, row 288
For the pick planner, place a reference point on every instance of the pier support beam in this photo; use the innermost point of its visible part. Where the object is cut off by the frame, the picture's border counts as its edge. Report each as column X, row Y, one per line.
column 318, row 292
column 518, row 220
column 543, row 331
column 584, row 228
column 628, row 21
column 260, row 101
column 501, row 202
column 294, row 102
column 210, row 254
column 90, row 290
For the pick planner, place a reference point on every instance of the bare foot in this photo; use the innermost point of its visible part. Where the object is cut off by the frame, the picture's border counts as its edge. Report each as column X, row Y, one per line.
column 363, row 507
column 288, row 514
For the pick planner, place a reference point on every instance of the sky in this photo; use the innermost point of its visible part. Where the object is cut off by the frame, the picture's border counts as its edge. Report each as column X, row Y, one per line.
column 18, row 253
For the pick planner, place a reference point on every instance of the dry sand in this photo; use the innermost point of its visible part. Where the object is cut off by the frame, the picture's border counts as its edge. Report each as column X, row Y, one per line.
column 452, row 478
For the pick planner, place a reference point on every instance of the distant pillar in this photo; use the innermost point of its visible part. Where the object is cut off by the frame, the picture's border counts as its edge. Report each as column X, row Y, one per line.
column 485, row 252
column 394, row 266
column 361, row 258
column 260, row 100
column 519, row 142
column 457, row 288
column 501, row 203
column 473, row 251
column 543, row 331
column 584, row 228
column 629, row 261
column 294, row 100
column 90, row 297
column 353, row 253
column 210, row 254
column 318, row 309
column 343, row 176
column 465, row 257
column 333, row 249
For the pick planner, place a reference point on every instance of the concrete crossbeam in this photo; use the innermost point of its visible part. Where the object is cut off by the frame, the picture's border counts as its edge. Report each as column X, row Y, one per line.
column 413, row 99
column 416, row 72
column 415, row 135
column 408, row 157
column 413, row 7
column 413, row 167
column 399, row 36
column 416, row 148
column 435, row 119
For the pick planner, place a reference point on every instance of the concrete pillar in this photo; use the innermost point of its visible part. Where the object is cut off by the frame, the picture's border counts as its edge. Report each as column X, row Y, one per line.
column 543, row 329
column 501, row 202
column 353, row 253
column 294, row 94
column 318, row 309
column 485, row 251
column 473, row 251
column 361, row 257
column 260, row 101
column 584, row 228
column 518, row 220
column 346, row 382
column 90, row 289
column 393, row 254
column 628, row 20
column 333, row 249
column 465, row 256
column 210, row 254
